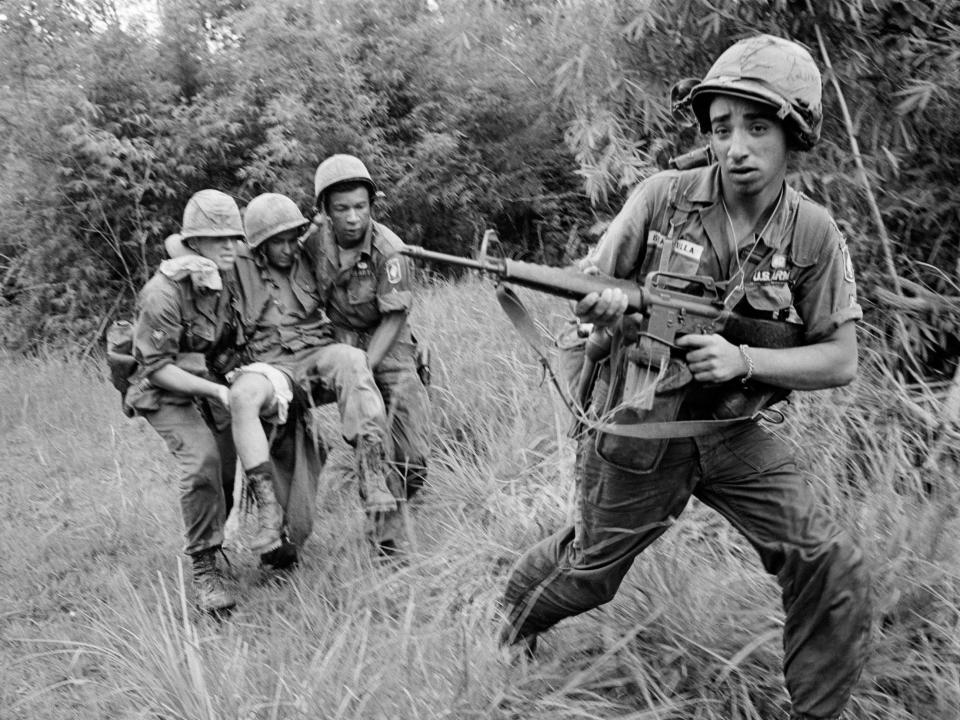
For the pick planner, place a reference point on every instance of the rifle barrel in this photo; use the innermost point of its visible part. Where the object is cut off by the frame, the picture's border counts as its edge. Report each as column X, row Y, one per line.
column 563, row 282
column 415, row 251
column 693, row 313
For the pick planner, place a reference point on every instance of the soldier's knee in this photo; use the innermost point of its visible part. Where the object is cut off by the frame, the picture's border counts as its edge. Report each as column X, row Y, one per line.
column 248, row 394
column 851, row 568
column 346, row 357
column 600, row 590
column 201, row 469
column 837, row 566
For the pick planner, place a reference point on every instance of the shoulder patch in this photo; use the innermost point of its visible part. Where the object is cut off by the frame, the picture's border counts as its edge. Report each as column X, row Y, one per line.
column 847, row 263
column 394, row 269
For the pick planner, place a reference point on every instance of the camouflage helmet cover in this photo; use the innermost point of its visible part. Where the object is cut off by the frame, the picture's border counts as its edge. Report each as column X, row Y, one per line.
column 773, row 71
column 211, row 213
column 269, row 214
column 338, row 169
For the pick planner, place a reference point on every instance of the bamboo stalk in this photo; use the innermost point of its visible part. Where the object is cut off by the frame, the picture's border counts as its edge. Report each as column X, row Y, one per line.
column 858, row 159
column 868, row 189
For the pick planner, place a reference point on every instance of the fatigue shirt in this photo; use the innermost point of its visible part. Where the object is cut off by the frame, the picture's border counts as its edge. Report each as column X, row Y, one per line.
column 275, row 333
column 192, row 327
column 379, row 282
column 801, row 273
column 804, row 274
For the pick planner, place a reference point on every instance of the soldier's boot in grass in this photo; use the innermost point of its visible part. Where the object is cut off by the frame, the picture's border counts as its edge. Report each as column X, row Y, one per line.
column 389, row 533
column 212, row 593
column 517, row 645
column 270, row 542
column 372, row 477
column 269, row 535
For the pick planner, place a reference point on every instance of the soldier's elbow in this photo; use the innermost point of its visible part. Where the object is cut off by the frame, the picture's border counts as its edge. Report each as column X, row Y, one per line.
column 845, row 371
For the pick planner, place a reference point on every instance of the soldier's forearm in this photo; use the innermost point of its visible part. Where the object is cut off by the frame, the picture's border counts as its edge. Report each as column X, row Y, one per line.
column 384, row 337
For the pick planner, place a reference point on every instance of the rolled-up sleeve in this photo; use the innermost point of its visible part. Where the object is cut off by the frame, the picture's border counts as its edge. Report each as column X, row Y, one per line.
column 156, row 340
column 826, row 295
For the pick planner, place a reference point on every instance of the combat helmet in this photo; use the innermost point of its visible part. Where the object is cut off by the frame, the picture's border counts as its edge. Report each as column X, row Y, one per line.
column 338, row 169
column 269, row 214
column 211, row 213
column 773, row 71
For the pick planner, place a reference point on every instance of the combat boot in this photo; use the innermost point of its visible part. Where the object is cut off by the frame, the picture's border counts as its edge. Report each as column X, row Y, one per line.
column 212, row 593
column 388, row 533
column 269, row 512
column 372, row 478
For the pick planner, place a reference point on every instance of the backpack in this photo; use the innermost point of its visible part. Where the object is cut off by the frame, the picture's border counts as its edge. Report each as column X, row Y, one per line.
column 120, row 361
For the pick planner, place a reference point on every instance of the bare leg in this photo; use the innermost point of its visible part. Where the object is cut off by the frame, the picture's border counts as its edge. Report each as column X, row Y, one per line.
column 250, row 395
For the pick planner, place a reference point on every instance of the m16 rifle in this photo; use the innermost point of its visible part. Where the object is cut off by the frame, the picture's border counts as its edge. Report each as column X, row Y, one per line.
column 699, row 308
column 671, row 312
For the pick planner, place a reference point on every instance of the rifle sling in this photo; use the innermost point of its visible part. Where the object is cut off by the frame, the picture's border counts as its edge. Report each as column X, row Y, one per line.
column 518, row 314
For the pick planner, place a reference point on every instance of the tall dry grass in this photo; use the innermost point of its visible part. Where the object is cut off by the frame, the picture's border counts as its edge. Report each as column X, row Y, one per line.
column 96, row 622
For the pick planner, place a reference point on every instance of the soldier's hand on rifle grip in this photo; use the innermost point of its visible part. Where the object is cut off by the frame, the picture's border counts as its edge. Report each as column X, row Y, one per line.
column 711, row 358
column 603, row 308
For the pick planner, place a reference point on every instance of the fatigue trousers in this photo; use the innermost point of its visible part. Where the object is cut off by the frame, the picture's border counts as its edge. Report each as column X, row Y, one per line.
column 408, row 417
column 749, row 476
column 341, row 373
column 198, row 436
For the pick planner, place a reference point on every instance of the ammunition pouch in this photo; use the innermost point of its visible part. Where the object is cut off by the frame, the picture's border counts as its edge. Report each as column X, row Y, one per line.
column 640, row 407
column 656, row 398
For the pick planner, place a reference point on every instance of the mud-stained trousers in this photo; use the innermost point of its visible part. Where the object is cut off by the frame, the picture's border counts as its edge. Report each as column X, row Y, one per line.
column 748, row 476
column 198, row 436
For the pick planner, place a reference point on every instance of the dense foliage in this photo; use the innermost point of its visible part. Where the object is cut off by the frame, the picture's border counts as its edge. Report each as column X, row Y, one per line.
column 533, row 116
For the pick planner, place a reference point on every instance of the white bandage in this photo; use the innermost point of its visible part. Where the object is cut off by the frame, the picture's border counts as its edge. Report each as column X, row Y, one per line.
column 278, row 408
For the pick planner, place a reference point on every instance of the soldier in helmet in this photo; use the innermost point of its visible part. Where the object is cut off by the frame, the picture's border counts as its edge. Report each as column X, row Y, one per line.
column 776, row 255
column 185, row 340
column 366, row 288
column 294, row 356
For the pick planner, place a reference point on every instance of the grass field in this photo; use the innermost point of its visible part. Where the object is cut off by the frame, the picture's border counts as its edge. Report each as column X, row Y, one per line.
column 95, row 621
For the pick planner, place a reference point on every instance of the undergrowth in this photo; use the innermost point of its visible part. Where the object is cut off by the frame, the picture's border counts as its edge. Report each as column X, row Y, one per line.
column 96, row 619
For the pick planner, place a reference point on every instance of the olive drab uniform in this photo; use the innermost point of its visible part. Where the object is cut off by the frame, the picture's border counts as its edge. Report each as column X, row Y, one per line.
column 184, row 319
column 357, row 297
column 801, row 272
column 294, row 335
